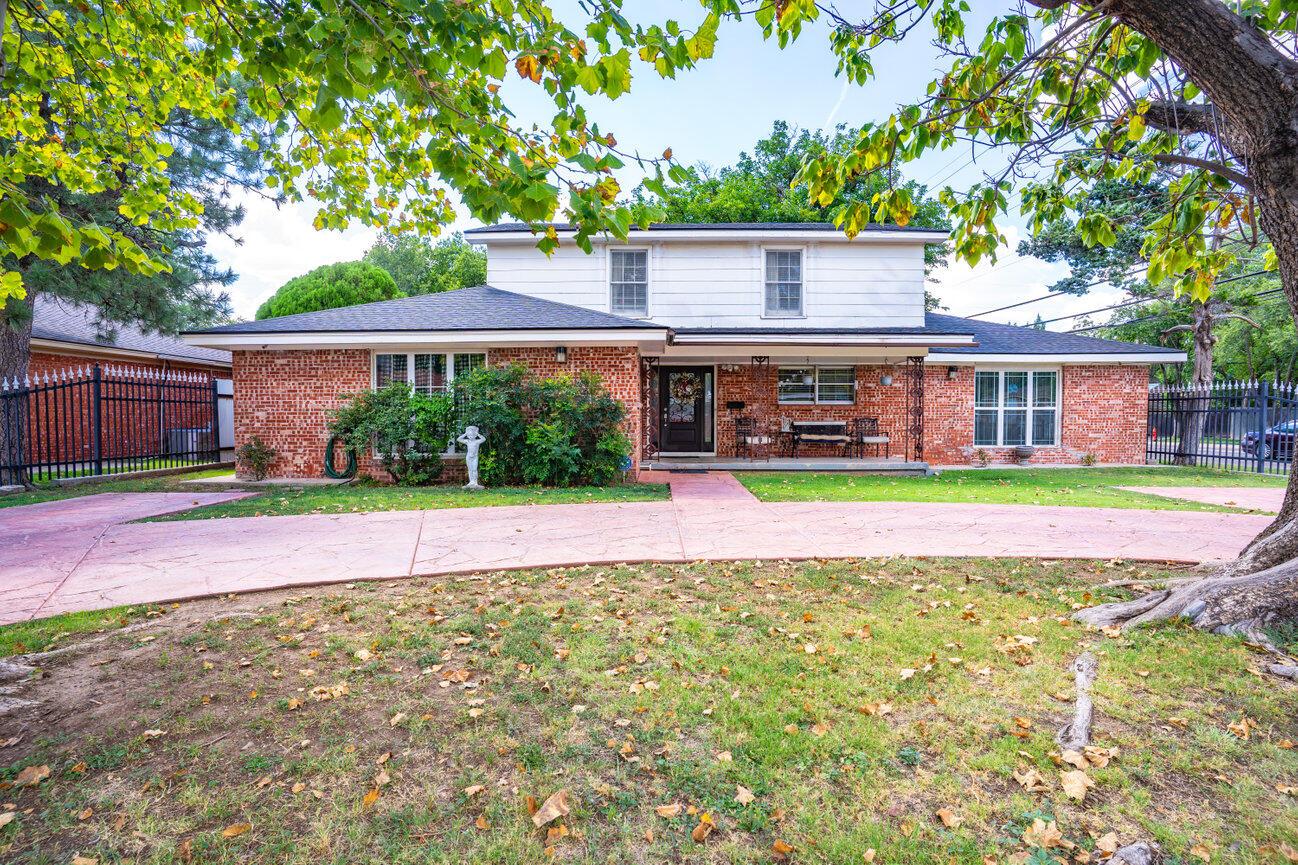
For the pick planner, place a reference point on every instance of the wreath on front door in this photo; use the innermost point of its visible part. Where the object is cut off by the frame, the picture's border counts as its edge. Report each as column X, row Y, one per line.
column 686, row 387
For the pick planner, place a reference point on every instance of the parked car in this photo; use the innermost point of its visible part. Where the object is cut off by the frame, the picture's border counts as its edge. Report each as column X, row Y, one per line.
column 1276, row 443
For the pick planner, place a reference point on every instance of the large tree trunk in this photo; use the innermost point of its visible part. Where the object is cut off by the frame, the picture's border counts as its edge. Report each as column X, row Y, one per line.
column 1195, row 409
column 1254, row 90
column 15, row 355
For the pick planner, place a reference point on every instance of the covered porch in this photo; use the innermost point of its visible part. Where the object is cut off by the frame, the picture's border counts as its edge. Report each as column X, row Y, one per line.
column 831, row 408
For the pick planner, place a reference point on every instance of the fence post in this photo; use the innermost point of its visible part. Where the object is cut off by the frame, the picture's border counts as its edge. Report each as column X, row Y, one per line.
column 1263, row 398
column 216, row 421
column 96, row 422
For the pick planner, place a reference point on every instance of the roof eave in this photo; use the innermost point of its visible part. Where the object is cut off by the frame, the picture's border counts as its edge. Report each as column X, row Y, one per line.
column 1095, row 357
column 245, row 340
column 45, row 343
column 713, row 234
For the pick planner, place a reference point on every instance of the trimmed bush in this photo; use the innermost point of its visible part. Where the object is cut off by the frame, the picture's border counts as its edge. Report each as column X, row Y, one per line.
column 562, row 431
column 408, row 430
column 330, row 287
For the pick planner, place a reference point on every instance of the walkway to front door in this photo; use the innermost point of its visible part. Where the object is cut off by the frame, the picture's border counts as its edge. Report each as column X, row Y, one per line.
column 709, row 517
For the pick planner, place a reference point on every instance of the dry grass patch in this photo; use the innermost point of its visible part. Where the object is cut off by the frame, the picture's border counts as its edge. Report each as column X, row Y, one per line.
column 704, row 713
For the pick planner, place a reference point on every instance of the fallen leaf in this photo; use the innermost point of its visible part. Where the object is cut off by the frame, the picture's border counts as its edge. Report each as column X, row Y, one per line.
column 1107, row 843
column 1031, row 780
column 30, row 776
column 1288, row 852
column 1075, row 784
column 743, row 795
column 1286, row 789
column 704, row 829
column 553, row 808
column 672, row 810
column 1199, row 851
column 724, row 757
column 482, row 822
column 6, row 818
column 949, row 818
column 868, row 855
column 367, row 802
column 781, row 849
column 470, row 792
column 880, row 709
column 234, row 830
column 84, row 860
column 1075, row 759
column 398, row 718
column 907, row 673
column 1043, row 834
column 153, row 734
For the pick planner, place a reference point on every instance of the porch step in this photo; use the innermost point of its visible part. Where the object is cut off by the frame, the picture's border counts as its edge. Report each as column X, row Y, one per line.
column 869, row 465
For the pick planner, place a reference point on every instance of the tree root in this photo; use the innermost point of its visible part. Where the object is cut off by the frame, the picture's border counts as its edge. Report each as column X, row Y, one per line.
column 1226, row 603
column 1076, row 735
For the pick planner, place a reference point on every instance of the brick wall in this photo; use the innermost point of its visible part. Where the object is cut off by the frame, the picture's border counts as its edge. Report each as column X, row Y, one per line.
column 1103, row 413
column 286, row 396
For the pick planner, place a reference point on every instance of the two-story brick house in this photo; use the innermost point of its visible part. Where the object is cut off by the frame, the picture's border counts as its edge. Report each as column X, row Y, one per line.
column 725, row 342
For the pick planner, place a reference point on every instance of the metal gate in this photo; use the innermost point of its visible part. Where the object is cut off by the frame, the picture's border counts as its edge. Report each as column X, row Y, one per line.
column 103, row 421
column 1247, row 426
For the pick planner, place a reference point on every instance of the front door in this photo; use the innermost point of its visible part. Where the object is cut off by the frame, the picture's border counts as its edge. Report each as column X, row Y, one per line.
column 685, row 396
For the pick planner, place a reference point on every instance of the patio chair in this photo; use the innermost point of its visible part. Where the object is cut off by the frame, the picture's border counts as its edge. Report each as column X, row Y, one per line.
column 865, row 432
column 752, row 440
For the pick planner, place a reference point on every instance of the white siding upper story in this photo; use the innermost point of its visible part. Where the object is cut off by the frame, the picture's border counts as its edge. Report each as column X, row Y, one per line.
column 713, row 280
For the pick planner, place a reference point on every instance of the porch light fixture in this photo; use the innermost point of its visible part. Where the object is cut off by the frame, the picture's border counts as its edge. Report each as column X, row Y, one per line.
column 886, row 379
column 952, row 372
column 808, row 378
column 560, row 354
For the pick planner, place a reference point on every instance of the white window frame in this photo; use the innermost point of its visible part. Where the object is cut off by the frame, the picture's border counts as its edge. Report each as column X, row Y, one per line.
column 1028, row 408
column 802, row 289
column 815, row 384
column 410, row 366
column 648, row 279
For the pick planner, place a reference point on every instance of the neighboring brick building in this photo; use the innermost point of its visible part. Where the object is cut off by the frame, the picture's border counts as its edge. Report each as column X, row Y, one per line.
column 701, row 330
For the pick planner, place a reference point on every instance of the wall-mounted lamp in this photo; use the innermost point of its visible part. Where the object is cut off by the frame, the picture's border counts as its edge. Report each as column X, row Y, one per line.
column 560, row 354
column 952, row 372
column 886, row 379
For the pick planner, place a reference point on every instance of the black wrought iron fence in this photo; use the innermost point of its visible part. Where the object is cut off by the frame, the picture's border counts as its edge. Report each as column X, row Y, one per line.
column 104, row 421
column 1248, row 426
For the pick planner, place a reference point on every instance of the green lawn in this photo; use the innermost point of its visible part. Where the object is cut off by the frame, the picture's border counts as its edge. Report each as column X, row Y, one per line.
column 1082, row 487
column 44, row 634
column 347, row 498
column 825, row 708
column 358, row 498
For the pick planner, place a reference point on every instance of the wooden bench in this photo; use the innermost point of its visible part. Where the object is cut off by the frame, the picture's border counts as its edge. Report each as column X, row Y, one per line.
column 830, row 432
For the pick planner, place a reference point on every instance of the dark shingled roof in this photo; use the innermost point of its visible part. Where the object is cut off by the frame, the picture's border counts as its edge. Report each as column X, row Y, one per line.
column 995, row 338
column 709, row 226
column 481, row 307
column 66, row 321
column 992, row 338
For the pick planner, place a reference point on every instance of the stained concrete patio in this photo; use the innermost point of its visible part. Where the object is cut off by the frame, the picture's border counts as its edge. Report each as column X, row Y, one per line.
column 1263, row 499
column 65, row 556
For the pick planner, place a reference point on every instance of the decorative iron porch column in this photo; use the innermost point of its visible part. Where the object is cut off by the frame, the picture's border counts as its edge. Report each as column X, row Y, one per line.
column 649, row 408
column 915, row 407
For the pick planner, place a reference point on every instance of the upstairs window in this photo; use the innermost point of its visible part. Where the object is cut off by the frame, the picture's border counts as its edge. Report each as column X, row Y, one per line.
column 783, row 283
column 629, row 281
column 1016, row 407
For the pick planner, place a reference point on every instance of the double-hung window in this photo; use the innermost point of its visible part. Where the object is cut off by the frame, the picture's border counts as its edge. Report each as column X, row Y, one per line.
column 783, row 283
column 628, row 281
column 427, row 373
column 1016, row 407
column 807, row 385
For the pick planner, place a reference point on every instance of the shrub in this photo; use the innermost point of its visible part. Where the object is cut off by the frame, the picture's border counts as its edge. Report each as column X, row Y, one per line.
column 329, row 287
column 982, row 458
column 1088, row 459
column 408, row 430
column 257, row 456
column 560, row 431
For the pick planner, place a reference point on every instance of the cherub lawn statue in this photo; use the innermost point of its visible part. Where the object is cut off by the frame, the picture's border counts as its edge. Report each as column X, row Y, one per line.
column 472, row 441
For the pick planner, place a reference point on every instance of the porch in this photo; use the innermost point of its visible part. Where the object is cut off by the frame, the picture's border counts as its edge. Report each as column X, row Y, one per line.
column 864, row 465
column 837, row 413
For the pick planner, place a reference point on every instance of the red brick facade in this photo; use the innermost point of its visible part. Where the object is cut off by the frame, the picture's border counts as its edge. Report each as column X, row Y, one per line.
column 285, row 396
column 1103, row 413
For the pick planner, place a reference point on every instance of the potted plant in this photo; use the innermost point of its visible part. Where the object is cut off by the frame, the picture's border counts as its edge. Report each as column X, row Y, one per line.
column 1023, row 453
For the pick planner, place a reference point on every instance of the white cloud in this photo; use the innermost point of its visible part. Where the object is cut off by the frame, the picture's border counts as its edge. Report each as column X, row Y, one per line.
column 965, row 290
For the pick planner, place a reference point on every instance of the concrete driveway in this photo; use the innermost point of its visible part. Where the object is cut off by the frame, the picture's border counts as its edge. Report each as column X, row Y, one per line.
column 79, row 554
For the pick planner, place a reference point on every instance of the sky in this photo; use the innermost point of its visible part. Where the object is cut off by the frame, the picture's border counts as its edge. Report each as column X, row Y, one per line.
column 707, row 115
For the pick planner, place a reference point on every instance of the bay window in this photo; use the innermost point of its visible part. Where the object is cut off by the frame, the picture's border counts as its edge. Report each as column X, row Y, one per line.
column 1016, row 407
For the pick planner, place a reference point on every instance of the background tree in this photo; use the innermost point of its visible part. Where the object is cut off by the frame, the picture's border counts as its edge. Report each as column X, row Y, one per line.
column 1070, row 94
column 764, row 186
column 329, row 287
column 421, row 267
